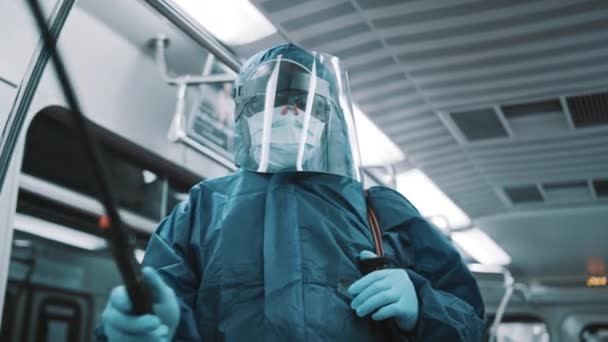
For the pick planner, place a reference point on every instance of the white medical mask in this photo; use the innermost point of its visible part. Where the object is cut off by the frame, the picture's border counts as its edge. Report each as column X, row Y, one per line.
column 285, row 137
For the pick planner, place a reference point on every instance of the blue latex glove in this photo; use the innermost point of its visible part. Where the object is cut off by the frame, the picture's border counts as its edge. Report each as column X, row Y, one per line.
column 388, row 293
column 120, row 325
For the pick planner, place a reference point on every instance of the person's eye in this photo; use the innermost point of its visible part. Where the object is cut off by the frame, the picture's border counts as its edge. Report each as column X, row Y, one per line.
column 301, row 102
column 320, row 110
column 258, row 104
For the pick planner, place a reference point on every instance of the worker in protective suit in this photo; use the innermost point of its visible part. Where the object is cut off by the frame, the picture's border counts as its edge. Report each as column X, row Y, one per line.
column 274, row 251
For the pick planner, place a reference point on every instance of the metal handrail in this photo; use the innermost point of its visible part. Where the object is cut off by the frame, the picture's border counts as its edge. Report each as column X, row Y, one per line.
column 182, row 82
column 202, row 37
column 160, row 51
column 21, row 105
column 196, row 32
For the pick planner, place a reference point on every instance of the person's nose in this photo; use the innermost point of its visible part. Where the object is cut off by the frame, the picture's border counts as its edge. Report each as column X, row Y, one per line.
column 286, row 108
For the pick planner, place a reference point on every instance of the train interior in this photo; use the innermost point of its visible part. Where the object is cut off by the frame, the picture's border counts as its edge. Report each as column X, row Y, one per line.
column 490, row 116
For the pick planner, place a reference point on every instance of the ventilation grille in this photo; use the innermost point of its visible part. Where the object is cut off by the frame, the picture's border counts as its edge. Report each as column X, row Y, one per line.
column 532, row 120
column 567, row 192
column 601, row 188
column 523, row 194
column 550, row 107
column 589, row 110
column 563, row 192
column 481, row 124
column 536, row 119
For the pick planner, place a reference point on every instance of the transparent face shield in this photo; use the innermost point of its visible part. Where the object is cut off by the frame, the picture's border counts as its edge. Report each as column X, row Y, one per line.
column 296, row 115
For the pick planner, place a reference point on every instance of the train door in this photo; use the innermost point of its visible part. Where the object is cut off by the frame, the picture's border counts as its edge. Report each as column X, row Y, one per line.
column 56, row 269
column 61, row 270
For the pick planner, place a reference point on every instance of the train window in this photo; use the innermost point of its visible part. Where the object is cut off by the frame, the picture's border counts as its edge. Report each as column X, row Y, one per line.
column 59, row 320
column 523, row 332
column 177, row 192
column 49, row 138
column 41, row 302
column 136, row 188
column 8, row 319
column 137, row 181
column 595, row 333
column 521, row 328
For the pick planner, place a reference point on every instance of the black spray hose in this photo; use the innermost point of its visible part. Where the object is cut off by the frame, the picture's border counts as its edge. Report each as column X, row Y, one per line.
column 121, row 240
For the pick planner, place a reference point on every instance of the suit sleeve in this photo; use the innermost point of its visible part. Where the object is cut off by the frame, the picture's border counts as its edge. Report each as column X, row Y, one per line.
column 450, row 304
column 173, row 252
column 169, row 252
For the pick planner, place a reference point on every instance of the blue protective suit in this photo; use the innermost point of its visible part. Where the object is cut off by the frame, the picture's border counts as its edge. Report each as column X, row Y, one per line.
column 258, row 257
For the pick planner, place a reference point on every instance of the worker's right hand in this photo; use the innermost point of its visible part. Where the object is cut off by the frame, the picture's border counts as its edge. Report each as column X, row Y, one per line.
column 160, row 325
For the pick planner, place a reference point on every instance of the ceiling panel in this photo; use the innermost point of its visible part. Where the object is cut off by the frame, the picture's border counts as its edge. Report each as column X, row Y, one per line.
column 521, row 234
column 371, row 47
column 414, row 63
column 336, row 34
column 323, row 15
column 468, row 10
column 493, row 27
column 539, row 36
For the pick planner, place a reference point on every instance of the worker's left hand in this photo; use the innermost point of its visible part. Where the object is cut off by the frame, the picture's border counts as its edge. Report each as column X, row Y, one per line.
column 388, row 293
